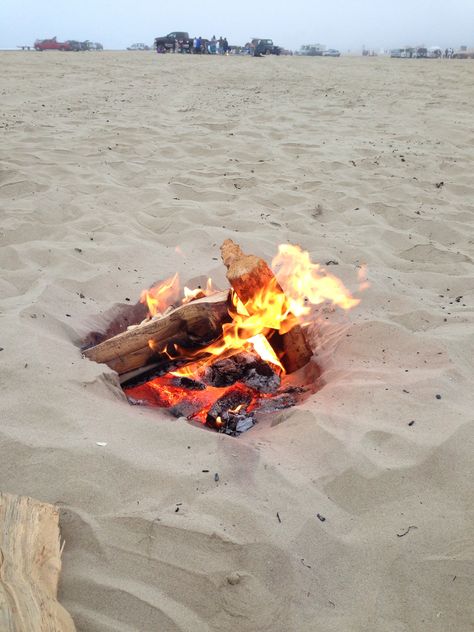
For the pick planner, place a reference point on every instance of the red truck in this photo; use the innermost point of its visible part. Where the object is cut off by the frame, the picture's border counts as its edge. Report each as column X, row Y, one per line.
column 52, row 44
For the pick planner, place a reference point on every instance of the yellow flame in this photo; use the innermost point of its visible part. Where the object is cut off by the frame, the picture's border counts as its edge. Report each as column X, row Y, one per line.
column 161, row 296
column 270, row 309
column 306, row 283
column 245, row 328
column 264, row 349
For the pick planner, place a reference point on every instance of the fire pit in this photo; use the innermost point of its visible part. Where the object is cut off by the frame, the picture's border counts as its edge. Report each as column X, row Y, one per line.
column 222, row 357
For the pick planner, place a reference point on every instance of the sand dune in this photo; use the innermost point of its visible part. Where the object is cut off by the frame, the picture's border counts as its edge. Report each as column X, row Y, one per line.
column 110, row 161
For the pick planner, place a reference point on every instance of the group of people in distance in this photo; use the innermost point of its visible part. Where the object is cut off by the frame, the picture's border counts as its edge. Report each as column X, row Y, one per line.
column 213, row 46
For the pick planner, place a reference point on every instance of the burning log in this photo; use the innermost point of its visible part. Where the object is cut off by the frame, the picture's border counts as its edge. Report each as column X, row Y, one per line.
column 195, row 323
column 250, row 277
column 30, row 562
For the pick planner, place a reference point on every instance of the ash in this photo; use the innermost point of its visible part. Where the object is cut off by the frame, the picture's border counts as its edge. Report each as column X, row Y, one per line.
column 237, row 423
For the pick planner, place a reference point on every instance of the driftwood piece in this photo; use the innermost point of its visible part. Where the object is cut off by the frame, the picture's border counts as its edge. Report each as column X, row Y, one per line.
column 197, row 322
column 30, row 563
column 249, row 275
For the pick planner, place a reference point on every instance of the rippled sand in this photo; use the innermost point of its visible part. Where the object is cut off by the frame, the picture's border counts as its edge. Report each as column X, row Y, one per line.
column 110, row 161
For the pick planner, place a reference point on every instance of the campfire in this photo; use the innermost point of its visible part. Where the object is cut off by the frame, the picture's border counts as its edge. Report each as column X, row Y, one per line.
column 221, row 357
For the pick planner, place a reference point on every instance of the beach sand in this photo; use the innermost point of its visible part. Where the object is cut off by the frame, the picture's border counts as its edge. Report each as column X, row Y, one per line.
column 112, row 160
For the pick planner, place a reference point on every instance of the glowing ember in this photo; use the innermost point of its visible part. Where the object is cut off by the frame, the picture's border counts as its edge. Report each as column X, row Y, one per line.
column 224, row 383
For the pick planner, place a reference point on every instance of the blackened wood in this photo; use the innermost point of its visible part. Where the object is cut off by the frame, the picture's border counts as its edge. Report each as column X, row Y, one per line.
column 231, row 402
column 245, row 367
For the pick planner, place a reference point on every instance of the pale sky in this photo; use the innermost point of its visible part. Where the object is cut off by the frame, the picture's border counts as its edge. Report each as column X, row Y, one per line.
column 343, row 24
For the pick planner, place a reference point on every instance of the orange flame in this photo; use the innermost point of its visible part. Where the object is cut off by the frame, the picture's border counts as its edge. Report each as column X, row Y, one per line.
column 306, row 283
column 159, row 297
column 246, row 331
column 163, row 295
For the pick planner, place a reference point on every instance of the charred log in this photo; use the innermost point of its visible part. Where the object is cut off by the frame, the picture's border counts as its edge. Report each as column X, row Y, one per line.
column 187, row 383
column 285, row 399
column 245, row 367
column 230, row 409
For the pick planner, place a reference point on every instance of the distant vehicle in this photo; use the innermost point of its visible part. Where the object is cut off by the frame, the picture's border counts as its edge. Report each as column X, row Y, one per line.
column 312, row 50
column 402, row 53
column 85, row 45
column 464, row 54
column 421, row 53
column 331, row 52
column 261, row 47
column 77, row 46
column 139, row 46
column 177, row 41
column 51, row 44
column 71, row 45
column 435, row 52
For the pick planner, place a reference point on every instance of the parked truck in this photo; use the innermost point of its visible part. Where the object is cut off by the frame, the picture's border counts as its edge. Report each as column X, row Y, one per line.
column 177, row 41
column 51, row 44
column 74, row 45
column 260, row 47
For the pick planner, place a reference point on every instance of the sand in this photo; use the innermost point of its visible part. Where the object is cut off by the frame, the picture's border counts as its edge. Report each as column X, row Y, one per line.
column 109, row 162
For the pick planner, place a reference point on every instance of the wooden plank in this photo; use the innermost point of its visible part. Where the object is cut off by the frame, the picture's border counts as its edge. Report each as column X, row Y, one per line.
column 199, row 321
column 30, row 563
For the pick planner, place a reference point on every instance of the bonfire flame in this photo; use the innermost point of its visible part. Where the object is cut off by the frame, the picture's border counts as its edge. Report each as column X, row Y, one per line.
column 306, row 283
column 249, row 325
column 268, row 312
column 164, row 295
column 161, row 296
